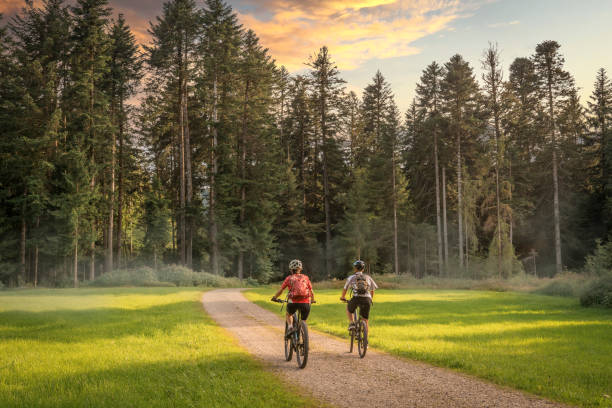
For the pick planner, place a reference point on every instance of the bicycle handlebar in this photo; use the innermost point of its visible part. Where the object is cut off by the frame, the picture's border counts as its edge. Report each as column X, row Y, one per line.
column 285, row 301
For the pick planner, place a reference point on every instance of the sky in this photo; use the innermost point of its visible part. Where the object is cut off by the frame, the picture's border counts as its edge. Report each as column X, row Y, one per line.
column 401, row 37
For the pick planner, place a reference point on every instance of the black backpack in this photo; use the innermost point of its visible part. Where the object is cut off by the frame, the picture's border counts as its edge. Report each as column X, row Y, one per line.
column 361, row 284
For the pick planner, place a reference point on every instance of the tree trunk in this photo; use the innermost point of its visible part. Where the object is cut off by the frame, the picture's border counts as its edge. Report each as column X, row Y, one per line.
column 189, row 186
column 395, row 250
column 556, row 216
column 76, row 253
column 459, row 200
column 92, row 132
column 214, row 253
column 327, row 217
column 22, row 249
column 438, row 221
column 108, row 264
column 444, row 219
column 181, row 130
column 36, row 256
column 120, row 186
column 326, row 195
column 243, row 175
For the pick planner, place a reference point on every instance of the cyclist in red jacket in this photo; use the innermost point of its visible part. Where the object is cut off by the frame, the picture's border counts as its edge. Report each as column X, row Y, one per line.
column 300, row 293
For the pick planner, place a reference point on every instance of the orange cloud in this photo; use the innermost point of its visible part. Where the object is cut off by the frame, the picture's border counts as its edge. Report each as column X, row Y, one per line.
column 355, row 31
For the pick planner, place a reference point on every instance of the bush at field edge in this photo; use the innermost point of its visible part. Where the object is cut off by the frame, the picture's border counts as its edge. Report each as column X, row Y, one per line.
column 598, row 293
column 167, row 275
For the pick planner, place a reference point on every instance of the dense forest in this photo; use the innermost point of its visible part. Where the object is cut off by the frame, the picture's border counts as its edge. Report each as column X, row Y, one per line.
column 230, row 164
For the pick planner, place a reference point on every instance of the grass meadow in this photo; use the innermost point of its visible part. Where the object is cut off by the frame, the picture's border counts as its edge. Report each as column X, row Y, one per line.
column 546, row 345
column 149, row 347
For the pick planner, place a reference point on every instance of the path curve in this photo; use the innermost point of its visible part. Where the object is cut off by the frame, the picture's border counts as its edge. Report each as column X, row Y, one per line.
column 386, row 381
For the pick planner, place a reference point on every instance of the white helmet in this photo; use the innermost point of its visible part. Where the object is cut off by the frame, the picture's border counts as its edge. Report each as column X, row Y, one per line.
column 295, row 264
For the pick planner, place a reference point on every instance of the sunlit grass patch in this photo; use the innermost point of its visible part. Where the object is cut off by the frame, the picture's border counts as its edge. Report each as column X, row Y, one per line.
column 152, row 347
column 546, row 345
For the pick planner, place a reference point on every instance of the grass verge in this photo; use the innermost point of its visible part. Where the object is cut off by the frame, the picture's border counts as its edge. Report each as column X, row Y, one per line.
column 546, row 345
column 125, row 347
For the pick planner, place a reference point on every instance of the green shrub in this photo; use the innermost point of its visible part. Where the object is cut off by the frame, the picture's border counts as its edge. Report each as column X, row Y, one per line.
column 216, row 281
column 600, row 261
column 598, row 293
column 143, row 276
column 179, row 275
column 557, row 288
column 166, row 275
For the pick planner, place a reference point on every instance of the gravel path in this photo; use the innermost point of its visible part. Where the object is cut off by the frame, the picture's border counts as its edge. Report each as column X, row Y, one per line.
column 331, row 372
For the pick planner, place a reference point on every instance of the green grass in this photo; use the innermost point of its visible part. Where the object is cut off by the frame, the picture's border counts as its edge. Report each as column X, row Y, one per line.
column 546, row 345
column 152, row 347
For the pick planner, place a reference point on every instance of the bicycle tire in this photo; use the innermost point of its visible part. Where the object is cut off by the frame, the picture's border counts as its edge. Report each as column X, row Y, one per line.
column 301, row 348
column 352, row 331
column 288, row 345
column 362, row 344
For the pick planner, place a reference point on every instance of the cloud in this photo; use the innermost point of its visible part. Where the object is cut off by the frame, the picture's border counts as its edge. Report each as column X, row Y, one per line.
column 355, row 31
column 504, row 24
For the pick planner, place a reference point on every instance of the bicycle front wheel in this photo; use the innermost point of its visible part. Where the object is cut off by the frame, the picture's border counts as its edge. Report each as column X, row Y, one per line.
column 301, row 349
column 362, row 343
column 288, row 345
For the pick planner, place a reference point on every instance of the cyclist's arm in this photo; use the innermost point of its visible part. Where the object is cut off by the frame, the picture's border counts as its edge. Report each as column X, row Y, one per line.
column 312, row 299
column 372, row 294
column 283, row 286
column 343, row 294
column 277, row 294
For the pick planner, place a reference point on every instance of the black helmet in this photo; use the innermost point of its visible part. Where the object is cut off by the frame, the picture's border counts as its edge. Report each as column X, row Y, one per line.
column 359, row 265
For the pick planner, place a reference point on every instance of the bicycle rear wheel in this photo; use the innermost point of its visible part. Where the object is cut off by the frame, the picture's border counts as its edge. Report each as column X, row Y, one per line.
column 301, row 348
column 362, row 343
column 288, row 345
column 352, row 331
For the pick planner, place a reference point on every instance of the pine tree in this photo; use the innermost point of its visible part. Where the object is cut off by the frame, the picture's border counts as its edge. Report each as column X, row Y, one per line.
column 429, row 102
column 88, row 103
column 219, row 51
column 327, row 88
column 176, row 41
column 493, row 85
column 460, row 103
column 600, row 108
column 156, row 222
column 124, row 75
column 554, row 84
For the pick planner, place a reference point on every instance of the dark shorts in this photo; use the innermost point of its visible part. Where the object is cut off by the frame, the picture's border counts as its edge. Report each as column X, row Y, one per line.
column 364, row 304
column 304, row 309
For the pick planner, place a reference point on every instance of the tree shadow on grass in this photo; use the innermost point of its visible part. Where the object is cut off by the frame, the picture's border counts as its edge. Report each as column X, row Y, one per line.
column 72, row 326
column 227, row 380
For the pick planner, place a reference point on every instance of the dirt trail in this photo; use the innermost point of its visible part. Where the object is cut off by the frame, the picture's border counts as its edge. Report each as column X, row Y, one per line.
column 331, row 372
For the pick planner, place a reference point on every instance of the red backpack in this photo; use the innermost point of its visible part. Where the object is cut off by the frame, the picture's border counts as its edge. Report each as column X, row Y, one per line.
column 299, row 287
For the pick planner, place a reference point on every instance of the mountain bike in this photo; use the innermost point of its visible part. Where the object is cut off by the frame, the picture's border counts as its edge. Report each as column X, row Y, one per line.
column 298, row 340
column 359, row 332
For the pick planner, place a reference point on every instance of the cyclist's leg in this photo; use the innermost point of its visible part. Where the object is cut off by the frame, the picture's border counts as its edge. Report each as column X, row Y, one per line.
column 350, row 309
column 364, row 310
column 291, row 308
column 304, row 309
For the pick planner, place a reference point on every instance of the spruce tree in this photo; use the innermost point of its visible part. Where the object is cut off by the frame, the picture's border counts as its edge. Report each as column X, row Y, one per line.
column 460, row 104
column 123, row 77
column 327, row 87
column 176, row 42
column 493, row 86
column 600, row 108
column 429, row 100
column 554, row 86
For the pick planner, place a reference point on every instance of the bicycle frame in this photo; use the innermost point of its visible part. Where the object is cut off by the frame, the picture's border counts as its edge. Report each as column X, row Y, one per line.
column 359, row 332
column 298, row 341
